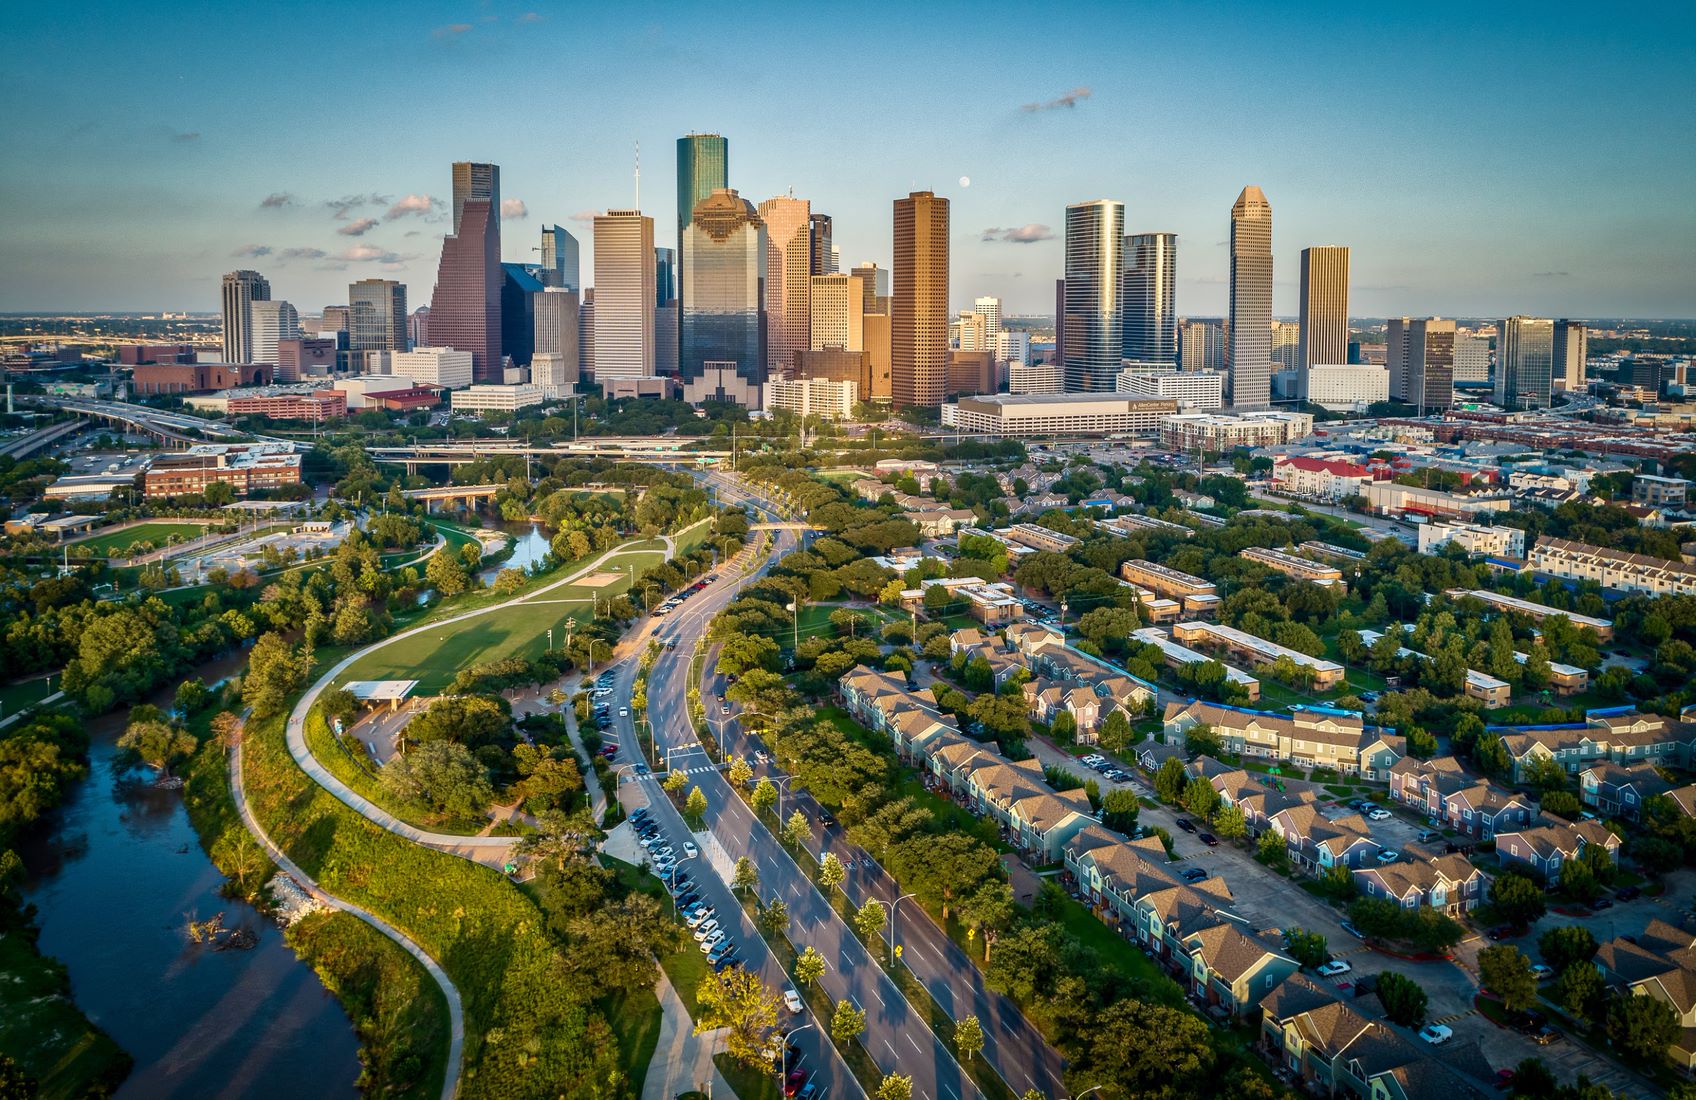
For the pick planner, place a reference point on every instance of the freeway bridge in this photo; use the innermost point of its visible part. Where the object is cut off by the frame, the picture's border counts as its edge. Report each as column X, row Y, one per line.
column 171, row 427
column 659, row 451
column 25, row 445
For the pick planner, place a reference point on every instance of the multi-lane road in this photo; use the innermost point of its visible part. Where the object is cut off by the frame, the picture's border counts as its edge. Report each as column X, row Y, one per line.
column 897, row 1037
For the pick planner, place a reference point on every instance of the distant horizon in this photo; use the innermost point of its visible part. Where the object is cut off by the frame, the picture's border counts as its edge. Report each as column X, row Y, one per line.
column 213, row 315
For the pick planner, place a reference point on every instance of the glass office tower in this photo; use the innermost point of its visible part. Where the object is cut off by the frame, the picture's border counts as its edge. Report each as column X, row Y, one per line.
column 722, row 348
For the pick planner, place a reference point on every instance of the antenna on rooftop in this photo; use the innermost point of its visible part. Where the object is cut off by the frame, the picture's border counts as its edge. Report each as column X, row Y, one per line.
column 638, row 175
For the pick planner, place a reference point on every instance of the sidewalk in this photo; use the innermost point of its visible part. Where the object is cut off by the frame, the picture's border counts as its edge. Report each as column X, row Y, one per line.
column 682, row 1060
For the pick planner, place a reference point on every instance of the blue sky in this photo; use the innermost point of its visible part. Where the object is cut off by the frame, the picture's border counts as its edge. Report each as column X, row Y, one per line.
column 1480, row 159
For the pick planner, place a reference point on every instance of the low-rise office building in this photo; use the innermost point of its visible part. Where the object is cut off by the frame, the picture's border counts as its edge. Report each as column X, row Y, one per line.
column 1050, row 414
column 1346, row 387
column 493, row 398
column 1615, row 569
column 826, row 398
column 244, row 467
column 1195, row 389
column 444, row 367
column 1393, row 498
column 1191, row 432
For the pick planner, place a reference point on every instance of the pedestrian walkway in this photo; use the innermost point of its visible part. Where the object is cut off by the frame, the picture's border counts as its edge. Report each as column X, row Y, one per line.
column 683, row 1060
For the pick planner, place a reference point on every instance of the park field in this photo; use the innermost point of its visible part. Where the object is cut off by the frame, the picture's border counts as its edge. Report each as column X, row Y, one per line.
column 154, row 533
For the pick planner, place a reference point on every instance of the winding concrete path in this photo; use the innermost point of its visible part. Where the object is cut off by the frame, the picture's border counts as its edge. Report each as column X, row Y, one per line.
column 491, row 851
column 456, row 1012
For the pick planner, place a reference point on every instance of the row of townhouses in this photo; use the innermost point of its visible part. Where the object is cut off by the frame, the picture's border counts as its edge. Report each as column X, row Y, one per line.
column 1310, row 736
column 1616, row 735
column 1446, row 793
column 1063, row 679
column 1658, row 963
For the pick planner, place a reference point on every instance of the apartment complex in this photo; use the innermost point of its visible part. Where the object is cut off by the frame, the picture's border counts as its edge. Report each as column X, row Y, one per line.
column 1615, row 569
column 1257, row 651
column 1181, row 656
column 1513, row 605
column 1482, row 686
column 1497, row 542
column 1300, row 568
column 826, row 398
column 1309, row 736
column 1217, row 432
column 1198, row 596
column 1327, row 479
column 1618, row 735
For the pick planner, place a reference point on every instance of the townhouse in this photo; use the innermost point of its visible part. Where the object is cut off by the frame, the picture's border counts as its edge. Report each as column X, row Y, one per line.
column 1615, row 569
column 1254, row 795
column 1052, row 660
column 1446, row 793
column 1617, row 735
column 1234, row 969
column 1336, row 1051
column 1448, row 884
column 1310, row 736
column 1544, row 849
column 1661, row 963
column 1316, row 843
column 1619, row 790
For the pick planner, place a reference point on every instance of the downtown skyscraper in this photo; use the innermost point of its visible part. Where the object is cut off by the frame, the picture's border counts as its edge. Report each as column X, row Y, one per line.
column 376, row 310
column 1149, row 298
column 789, row 270
column 703, row 166
column 623, row 295
column 1324, row 337
column 560, row 265
column 465, row 309
column 1094, row 336
column 240, row 290
column 722, row 347
column 1525, row 353
column 918, row 319
column 1248, row 345
column 1420, row 355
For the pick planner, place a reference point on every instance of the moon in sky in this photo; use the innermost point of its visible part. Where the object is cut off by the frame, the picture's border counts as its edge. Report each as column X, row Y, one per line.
column 965, row 181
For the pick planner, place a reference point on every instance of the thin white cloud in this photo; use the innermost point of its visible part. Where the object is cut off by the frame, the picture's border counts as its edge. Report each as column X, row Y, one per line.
column 409, row 205
column 1022, row 234
column 530, row 17
column 585, row 215
column 252, row 250
column 450, row 32
column 368, row 253
column 276, row 200
column 358, row 228
column 514, row 208
column 349, row 203
column 303, row 254
column 1069, row 100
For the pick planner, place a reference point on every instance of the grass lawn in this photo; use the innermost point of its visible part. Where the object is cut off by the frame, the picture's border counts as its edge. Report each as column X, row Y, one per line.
column 434, row 657
column 1119, row 953
column 155, row 533
column 747, row 1084
column 635, row 1019
column 43, row 1031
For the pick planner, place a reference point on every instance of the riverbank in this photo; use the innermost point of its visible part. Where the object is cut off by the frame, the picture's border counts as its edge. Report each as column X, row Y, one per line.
column 41, row 1027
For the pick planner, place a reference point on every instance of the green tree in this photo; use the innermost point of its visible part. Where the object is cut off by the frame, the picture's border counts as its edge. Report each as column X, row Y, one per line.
column 1566, row 944
column 747, row 877
column 1116, row 732
column 1506, row 972
column 1581, row 990
column 1307, row 948
column 338, row 703
column 190, row 696
column 1119, row 810
column 1170, row 780
column 894, row 1087
column 1200, row 798
column 745, row 1009
column 773, row 917
column 447, row 574
column 1230, row 823
column 274, row 672
column 968, row 1037
column 157, row 744
column 1578, row 882
column 675, row 782
column 764, row 797
column 740, row 772
column 1272, row 851
column 695, row 807
column 846, row 1022
column 443, row 777
column 831, row 872
column 1141, row 1049
column 1642, row 1026
column 797, row 831
column 1403, row 1000
column 870, row 918
column 809, row 967
column 1516, row 898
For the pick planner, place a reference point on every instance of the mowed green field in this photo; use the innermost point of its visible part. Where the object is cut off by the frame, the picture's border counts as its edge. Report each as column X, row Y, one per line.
column 155, row 533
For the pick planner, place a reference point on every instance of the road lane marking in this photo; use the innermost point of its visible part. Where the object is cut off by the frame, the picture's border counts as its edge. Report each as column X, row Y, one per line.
column 916, row 1046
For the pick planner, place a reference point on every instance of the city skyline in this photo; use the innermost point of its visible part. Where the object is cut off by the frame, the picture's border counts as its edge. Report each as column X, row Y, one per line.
column 1493, row 229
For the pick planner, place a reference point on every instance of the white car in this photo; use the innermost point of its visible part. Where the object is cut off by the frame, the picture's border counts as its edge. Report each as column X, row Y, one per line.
column 1389, row 855
column 624, row 712
column 700, row 917
column 705, row 929
column 792, row 1001
column 713, row 940
column 1436, row 1034
column 690, row 850
column 1379, row 814
column 724, row 708
column 1541, row 972
column 1333, row 968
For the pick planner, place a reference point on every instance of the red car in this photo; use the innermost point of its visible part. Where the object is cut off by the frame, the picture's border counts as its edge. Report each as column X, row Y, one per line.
column 792, row 1084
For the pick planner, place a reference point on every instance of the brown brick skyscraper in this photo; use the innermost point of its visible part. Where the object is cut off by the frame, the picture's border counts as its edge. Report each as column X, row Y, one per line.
column 919, row 310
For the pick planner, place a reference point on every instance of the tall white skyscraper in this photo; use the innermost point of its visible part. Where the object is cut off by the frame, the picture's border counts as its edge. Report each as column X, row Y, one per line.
column 556, row 362
column 272, row 321
column 989, row 309
column 240, row 290
column 1572, row 347
column 1248, row 347
column 1093, row 335
column 838, row 311
column 1472, row 357
column 624, row 295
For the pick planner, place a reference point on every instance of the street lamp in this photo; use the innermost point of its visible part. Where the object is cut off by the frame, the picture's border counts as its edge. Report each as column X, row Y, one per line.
column 894, row 911
column 783, row 1055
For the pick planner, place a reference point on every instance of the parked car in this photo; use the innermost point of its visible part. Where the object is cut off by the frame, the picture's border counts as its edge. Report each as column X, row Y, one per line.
column 1626, row 893
column 1185, row 824
column 1389, row 855
column 1333, row 968
column 792, row 1084
column 1436, row 1034
column 706, row 928
column 624, row 712
column 1194, row 875
column 808, row 1091
column 1378, row 813
column 1541, row 972
column 689, row 849
column 1602, row 903
column 1348, row 926
column 1208, row 839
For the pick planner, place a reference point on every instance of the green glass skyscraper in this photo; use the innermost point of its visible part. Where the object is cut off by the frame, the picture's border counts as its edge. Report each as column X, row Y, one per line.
column 703, row 166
